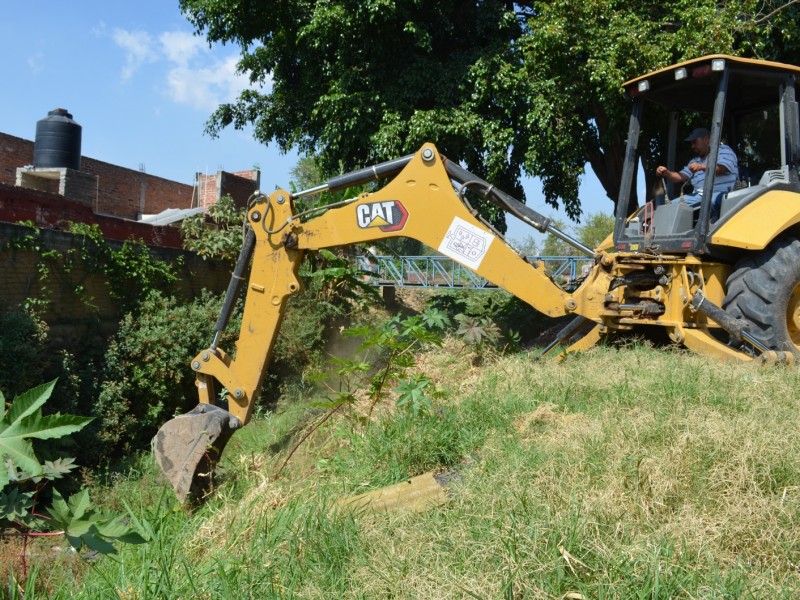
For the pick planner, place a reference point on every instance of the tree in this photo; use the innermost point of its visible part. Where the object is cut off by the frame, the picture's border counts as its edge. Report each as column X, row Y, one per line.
column 507, row 88
column 306, row 174
column 554, row 246
column 528, row 246
column 595, row 229
column 577, row 54
column 592, row 232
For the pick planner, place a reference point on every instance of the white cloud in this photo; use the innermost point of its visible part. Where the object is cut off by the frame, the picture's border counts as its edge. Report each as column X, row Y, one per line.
column 36, row 63
column 138, row 47
column 206, row 87
column 100, row 30
column 196, row 76
column 180, row 46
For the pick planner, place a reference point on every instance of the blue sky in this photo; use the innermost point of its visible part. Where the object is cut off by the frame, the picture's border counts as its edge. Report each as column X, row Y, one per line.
column 142, row 86
column 135, row 78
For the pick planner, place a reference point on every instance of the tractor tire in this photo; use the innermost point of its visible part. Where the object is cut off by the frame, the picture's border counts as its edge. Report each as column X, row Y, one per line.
column 764, row 291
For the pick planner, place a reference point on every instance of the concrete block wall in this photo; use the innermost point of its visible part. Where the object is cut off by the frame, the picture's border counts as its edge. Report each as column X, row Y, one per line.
column 76, row 185
column 35, row 181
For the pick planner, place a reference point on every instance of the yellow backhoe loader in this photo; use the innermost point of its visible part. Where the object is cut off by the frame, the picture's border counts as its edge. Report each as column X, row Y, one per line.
column 722, row 282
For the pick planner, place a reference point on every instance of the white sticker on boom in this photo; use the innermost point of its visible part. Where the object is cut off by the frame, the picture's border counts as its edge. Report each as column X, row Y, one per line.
column 466, row 243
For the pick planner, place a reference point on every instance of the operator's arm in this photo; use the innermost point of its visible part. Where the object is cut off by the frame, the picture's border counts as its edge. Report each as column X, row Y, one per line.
column 726, row 163
column 673, row 176
column 698, row 166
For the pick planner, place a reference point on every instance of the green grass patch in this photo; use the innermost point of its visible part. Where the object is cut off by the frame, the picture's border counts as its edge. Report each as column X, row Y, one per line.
column 633, row 473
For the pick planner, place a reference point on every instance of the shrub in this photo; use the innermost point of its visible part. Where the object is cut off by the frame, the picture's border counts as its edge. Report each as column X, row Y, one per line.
column 216, row 234
column 509, row 313
column 29, row 353
column 23, row 356
column 333, row 291
column 129, row 270
column 147, row 377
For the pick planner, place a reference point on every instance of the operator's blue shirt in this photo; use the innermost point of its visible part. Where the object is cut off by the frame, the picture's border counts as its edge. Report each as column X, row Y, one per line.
column 722, row 183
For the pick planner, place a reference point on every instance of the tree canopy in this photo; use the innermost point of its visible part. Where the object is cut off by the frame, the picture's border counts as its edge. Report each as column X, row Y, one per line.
column 510, row 89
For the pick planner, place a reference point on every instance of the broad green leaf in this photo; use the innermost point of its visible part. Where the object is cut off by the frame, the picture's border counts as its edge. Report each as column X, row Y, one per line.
column 74, row 541
column 20, row 451
column 29, row 402
column 435, row 318
column 118, row 528
column 85, row 525
column 58, row 468
column 79, row 503
column 45, row 428
column 15, row 504
column 24, row 420
column 412, row 395
column 59, row 509
column 8, row 471
column 98, row 544
column 114, row 527
column 14, row 442
column 79, row 528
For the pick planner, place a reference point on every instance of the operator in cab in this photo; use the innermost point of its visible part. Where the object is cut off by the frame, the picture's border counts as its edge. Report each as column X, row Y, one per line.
column 695, row 171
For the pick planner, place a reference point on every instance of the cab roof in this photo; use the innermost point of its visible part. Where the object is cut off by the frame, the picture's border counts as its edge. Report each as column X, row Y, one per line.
column 691, row 85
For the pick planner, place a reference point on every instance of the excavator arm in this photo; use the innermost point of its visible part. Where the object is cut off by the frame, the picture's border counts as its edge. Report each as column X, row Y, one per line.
column 419, row 202
column 424, row 200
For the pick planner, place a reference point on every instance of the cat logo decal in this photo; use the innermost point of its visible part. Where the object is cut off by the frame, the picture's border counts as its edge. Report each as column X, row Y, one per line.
column 389, row 215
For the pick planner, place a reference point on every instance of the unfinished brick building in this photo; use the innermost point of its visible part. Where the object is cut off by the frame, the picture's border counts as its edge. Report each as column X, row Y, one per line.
column 49, row 181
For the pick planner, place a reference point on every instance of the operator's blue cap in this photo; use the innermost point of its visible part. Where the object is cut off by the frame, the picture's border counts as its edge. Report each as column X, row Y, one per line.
column 698, row 133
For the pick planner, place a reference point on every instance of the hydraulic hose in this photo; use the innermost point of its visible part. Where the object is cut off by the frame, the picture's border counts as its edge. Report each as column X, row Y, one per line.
column 233, row 286
column 361, row 176
column 513, row 206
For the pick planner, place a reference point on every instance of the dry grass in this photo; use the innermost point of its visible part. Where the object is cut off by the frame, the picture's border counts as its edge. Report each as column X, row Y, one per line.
column 707, row 465
column 49, row 560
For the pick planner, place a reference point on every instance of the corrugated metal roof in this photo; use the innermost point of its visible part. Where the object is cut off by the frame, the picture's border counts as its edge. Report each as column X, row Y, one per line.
column 171, row 215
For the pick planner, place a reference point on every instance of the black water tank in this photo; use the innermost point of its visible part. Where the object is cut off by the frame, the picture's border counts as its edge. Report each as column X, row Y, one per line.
column 58, row 142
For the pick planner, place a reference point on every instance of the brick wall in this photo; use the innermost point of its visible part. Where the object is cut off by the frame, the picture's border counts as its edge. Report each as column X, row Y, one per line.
column 128, row 194
column 14, row 153
column 120, row 196
column 120, row 192
column 51, row 211
column 239, row 185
